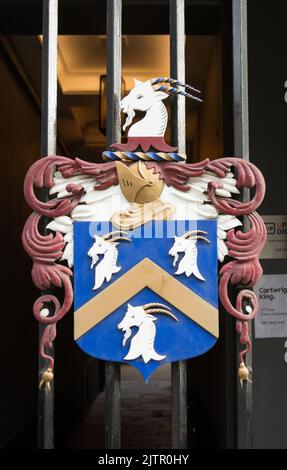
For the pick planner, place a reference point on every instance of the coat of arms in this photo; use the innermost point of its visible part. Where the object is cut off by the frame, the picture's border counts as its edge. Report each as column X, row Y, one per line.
column 142, row 235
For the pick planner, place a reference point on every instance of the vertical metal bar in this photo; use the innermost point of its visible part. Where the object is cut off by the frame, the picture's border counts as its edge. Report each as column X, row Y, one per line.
column 177, row 70
column 114, row 67
column 113, row 405
column 49, row 77
column 241, row 148
column 48, row 147
column 179, row 405
column 240, row 78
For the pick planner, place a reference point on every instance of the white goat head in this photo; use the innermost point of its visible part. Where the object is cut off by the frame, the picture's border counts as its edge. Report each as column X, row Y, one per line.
column 141, row 98
column 187, row 244
column 99, row 247
column 180, row 245
column 146, row 96
column 106, row 245
column 142, row 344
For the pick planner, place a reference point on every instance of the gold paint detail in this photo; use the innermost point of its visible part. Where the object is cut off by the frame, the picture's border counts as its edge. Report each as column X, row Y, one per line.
column 193, row 235
column 142, row 188
column 243, row 374
column 159, row 308
column 140, row 214
column 138, row 183
column 46, row 379
column 146, row 274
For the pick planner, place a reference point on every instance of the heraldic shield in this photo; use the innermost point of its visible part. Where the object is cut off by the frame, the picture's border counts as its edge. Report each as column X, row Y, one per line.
column 140, row 236
column 147, row 296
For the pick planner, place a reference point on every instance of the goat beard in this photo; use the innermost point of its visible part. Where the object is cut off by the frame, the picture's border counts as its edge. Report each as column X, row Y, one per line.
column 94, row 261
column 175, row 259
column 130, row 115
column 128, row 333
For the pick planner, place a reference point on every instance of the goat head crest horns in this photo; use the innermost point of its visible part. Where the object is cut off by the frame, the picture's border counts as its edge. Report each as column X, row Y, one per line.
column 158, row 308
column 116, row 236
column 194, row 235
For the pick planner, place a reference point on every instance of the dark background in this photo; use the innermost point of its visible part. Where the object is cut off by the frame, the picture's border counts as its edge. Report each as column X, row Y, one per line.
column 212, row 378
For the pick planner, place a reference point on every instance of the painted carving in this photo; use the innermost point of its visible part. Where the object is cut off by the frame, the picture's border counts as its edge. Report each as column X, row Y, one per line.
column 45, row 251
column 106, row 246
column 142, row 343
column 138, row 183
column 148, row 97
column 130, row 195
column 187, row 244
column 144, row 156
column 142, row 187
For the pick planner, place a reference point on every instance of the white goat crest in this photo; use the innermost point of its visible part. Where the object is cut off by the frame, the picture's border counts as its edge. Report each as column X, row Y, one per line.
column 144, row 98
column 106, row 246
column 187, row 244
column 142, row 344
column 147, row 96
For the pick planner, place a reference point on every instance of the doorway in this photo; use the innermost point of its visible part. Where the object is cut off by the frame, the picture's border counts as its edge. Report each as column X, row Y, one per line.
column 80, row 133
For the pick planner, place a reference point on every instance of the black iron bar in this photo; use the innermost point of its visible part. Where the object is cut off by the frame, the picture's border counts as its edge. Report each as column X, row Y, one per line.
column 114, row 67
column 241, row 149
column 178, row 123
column 177, row 70
column 113, row 405
column 48, row 147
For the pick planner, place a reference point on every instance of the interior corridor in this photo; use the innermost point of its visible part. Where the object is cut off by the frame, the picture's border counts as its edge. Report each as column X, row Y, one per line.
column 145, row 411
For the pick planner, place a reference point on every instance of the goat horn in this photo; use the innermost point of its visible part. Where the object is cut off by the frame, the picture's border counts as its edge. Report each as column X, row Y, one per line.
column 193, row 232
column 119, row 238
column 153, row 305
column 202, row 238
column 160, row 310
column 116, row 232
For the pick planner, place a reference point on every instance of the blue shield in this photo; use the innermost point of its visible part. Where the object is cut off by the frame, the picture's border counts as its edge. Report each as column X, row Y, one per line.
column 148, row 296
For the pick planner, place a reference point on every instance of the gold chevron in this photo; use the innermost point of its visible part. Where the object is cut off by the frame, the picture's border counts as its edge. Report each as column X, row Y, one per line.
column 146, row 274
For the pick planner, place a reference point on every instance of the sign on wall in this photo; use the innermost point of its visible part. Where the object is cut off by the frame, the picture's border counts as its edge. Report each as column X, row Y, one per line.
column 271, row 321
column 276, row 244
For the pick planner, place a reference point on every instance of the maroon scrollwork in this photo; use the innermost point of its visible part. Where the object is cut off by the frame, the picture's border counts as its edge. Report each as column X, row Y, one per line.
column 245, row 248
column 45, row 250
column 177, row 175
column 40, row 175
column 46, row 341
column 105, row 173
column 145, row 144
column 247, row 175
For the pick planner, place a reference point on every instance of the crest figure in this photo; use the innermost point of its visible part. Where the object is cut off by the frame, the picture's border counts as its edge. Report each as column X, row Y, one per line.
column 144, row 244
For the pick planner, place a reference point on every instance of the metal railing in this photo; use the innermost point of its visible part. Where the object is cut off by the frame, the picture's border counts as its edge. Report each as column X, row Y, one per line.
column 48, row 147
column 49, row 141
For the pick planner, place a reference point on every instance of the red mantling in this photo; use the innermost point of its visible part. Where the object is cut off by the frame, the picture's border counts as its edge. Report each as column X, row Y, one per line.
column 145, row 143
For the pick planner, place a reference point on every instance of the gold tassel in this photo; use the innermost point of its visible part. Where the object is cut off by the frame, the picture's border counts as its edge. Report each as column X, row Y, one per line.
column 243, row 373
column 47, row 378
